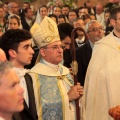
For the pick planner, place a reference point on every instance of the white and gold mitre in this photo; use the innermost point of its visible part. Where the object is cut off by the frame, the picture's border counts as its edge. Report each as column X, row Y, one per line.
column 45, row 33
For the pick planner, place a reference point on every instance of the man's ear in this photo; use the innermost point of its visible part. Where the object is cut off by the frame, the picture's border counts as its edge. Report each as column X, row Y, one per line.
column 112, row 22
column 12, row 53
column 42, row 52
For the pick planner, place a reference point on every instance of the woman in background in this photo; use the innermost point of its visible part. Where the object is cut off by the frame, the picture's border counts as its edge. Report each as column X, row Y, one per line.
column 14, row 22
column 61, row 19
column 41, row 13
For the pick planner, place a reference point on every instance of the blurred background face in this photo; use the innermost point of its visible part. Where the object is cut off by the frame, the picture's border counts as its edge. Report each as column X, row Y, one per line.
column 13, row 24
column 5, row 8
column 88, row 4
column 15, row 9
column 1, row 12
column 65, row 10
column 43, row 12
column 87, row 20
column 96, row 32
column 80, row 13
column 57, row 11
column 29, row 14
column 79, row 23
column 61, row 20
column 107, row 16
column 25, row 6
column 72, row 16
column 50, row 8
column 54, row 19
column 66, row 43
column 99, row 9
column 92, row 17
column 84, row 11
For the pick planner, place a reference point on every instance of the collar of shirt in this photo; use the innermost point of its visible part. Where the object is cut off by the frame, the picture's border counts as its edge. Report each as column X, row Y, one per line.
column 91, row 44
column 80, row 42
column 116, row 37
column 21, row 72
column 53, row 66
column 29, row 22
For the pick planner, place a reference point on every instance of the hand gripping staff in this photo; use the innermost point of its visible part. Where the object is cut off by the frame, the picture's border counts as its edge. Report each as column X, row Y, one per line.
column 75, row 65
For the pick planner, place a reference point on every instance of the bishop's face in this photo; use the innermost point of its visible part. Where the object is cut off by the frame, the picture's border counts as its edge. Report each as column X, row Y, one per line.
column 52, row 53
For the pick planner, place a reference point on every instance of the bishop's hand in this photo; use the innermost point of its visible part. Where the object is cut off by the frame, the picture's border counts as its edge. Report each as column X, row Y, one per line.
column 75, row 92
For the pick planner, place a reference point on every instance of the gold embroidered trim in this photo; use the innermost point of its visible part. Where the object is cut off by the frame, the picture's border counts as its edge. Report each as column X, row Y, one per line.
column 39, row 107
column 63, row 99
column 74, row 66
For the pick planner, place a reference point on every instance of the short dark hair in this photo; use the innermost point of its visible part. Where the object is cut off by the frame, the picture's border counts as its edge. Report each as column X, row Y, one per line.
column 65, row 29
column 85, row 3
column 75, row 20
column 26, row 10
column 107, row 10
column 66, row 6
column 27, row 3
column 62, row 16
column 85, row 16
column 6, row 3
column 113, row 12
column 12, row 38
column 73, row 10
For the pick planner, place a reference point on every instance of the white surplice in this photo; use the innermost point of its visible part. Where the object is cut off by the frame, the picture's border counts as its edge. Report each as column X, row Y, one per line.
column 102, row 83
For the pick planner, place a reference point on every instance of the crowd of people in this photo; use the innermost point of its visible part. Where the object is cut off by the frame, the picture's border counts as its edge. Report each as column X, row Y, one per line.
column 36, row 72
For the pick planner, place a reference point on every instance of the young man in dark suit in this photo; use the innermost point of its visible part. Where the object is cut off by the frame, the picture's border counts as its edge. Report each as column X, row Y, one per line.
column 27, row 20
column 17, row 46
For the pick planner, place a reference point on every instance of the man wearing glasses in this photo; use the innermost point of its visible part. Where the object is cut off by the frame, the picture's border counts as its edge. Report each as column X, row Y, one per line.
column 95, row 32
column 13, row 8
column 102, row 83
column 54, row 88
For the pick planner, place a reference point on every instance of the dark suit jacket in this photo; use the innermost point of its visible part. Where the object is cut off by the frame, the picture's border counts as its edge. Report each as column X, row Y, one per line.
column 83, row 55
column 67, row 58
column 6, row 16
column 24, row 24
column 28, row 113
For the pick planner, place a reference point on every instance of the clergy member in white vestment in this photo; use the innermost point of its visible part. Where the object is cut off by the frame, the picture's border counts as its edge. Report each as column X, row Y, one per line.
column 102, row 82
column 17, row 46
column 53, row 85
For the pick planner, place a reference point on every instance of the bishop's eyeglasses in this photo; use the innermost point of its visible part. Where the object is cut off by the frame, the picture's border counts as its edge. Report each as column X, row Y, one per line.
column 55, row 47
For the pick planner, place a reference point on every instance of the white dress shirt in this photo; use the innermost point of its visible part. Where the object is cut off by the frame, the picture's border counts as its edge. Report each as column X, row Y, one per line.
column 21, row 72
